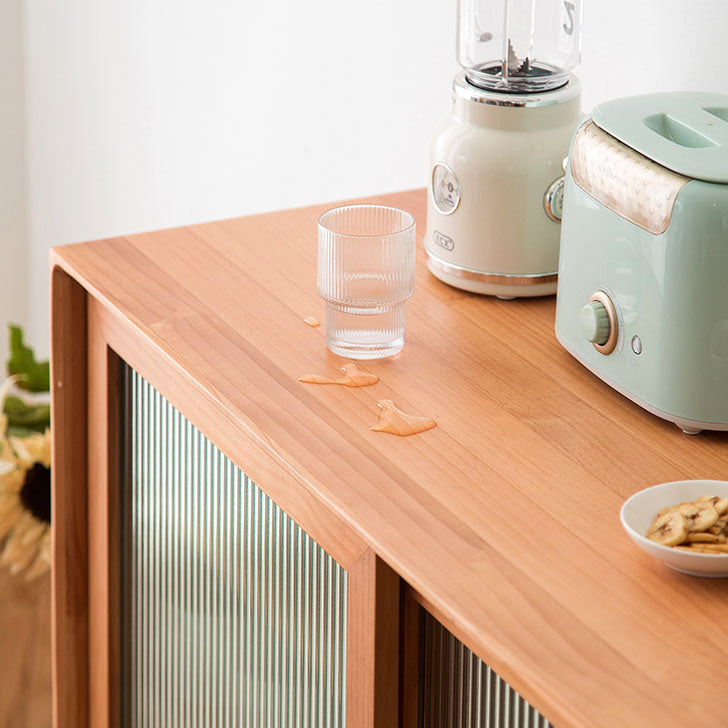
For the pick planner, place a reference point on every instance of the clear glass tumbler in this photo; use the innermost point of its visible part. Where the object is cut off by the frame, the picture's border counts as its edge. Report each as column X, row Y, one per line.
column 366, row 272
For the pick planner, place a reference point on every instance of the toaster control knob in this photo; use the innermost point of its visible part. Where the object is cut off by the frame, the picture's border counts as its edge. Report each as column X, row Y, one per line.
column 594, row 322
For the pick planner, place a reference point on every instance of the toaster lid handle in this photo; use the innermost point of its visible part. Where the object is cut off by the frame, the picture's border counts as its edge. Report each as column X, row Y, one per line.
column 686, row 132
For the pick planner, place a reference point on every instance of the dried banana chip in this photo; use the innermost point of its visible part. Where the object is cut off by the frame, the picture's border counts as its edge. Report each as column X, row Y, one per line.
column 704, row 538
column 700, row 526
column 711, row 548
column 669, row 530
column 720, row 504
column 699, row 515
column 669, row 509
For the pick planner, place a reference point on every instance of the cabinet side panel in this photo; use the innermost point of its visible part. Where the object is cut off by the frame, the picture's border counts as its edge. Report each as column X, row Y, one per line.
column 231, row 614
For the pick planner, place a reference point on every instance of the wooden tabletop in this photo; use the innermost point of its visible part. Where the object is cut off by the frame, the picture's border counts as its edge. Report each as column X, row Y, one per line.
column 504, row 517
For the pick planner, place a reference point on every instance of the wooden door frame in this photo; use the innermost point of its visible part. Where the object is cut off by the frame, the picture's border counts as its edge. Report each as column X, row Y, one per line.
column 411, row 625
column 69, row 496
column 88, row 344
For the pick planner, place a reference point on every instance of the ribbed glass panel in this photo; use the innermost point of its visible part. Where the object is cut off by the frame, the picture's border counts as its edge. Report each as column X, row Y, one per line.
column 231, row 614
column 458, row 690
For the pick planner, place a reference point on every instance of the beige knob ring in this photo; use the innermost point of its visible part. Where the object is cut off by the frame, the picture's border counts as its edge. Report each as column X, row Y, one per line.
column 611, row 343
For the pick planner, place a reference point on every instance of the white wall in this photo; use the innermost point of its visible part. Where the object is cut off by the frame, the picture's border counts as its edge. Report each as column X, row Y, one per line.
column 13, row 236
column 641, row 46
column 150, row 113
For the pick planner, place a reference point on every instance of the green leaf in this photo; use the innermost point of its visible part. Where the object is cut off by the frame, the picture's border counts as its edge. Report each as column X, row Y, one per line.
column 32, row 416
column 33, row 375
column 19, row 432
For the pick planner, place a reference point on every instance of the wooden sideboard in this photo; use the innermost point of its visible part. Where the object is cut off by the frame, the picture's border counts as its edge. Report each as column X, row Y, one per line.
column 496, row 533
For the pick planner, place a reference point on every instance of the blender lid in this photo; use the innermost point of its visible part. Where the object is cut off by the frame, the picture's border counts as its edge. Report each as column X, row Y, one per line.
column 685, row 132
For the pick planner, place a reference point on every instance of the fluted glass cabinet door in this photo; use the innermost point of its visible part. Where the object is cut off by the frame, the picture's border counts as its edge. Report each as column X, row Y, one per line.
column 231, row 614
column 458, row 690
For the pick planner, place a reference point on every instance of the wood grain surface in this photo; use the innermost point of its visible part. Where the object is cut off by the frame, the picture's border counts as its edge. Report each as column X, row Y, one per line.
column 25, row 651
column 505, row 517
column 69, row 499
column 104, row 622
column 372, row 659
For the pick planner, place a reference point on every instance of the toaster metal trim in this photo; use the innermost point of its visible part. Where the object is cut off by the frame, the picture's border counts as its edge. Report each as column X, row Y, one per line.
column 623, row 180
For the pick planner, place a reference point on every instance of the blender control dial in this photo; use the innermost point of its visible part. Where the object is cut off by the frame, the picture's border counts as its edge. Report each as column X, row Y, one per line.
column 445, row 189
column 553, row 200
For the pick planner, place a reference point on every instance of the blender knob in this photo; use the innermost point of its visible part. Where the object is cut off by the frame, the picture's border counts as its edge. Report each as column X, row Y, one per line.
column 553, row 200
column 594, row 322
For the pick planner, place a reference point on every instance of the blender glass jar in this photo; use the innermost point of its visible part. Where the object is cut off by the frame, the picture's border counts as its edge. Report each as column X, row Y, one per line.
column 519, row 46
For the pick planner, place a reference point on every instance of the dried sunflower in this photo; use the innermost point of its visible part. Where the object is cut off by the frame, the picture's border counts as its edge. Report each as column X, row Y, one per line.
column 25, row 484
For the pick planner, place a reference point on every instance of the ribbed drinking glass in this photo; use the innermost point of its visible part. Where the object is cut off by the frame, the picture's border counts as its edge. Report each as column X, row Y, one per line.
column 366, row 272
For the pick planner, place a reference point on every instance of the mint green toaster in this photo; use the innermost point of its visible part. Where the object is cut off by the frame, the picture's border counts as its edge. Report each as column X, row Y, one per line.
column 642, row 295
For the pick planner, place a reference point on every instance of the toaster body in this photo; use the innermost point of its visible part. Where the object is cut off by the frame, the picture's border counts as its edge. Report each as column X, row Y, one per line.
column 643, row 273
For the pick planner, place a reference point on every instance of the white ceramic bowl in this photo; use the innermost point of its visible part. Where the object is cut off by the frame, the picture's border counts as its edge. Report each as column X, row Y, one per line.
column 640, row 510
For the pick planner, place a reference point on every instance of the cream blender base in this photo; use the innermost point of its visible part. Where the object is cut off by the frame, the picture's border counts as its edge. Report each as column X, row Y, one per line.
column 494, row 203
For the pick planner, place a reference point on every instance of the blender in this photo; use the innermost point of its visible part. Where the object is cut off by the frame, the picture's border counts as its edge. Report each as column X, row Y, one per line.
column 496, row 183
